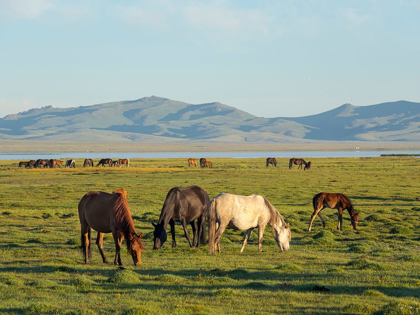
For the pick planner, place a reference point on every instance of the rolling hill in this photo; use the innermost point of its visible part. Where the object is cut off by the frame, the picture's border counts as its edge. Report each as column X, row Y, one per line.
column 160, row 120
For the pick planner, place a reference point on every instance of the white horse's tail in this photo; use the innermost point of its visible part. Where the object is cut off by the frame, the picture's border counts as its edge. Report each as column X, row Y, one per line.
column 211, row 210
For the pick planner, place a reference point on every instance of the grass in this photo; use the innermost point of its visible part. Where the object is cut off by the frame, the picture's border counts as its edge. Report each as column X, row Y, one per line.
column 371, row 270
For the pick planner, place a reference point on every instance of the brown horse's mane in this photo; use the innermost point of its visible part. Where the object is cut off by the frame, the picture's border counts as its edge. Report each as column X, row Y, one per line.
column 274, row 213
column 123, row 219
column 351, row 210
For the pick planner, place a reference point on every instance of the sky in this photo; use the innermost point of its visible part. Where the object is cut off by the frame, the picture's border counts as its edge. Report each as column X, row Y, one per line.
column 270, row 58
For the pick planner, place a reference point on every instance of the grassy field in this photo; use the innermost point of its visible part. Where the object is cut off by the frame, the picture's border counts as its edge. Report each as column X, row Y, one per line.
column 372, row 270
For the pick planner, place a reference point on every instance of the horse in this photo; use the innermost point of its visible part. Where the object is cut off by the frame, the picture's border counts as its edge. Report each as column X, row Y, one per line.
column 88, row 162
column 295, row 161
column 22, row 163
column 106, row 213
column 207, row 164
column 183, row 205
column 53, row 163
column 307, row 166
column 192, row 162
column 333, row 201
column 115, row 163
column 42, row 163
column 31, row 163
column 125, row 162
column 105, row 161
column 71, row 163
column 202, row 161
column 272, row 161
column 245, row 213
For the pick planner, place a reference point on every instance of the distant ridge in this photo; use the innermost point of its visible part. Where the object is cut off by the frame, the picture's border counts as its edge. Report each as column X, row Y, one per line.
column 161, row 120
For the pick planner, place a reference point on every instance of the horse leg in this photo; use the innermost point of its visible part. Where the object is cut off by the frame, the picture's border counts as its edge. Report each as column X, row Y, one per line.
column 340, row 219
column 100, row 242
column 85, row 236
column 314, row 214
column 172, row 224
column 322, row 219
column 195, row 233
column 187, row 235
column 118, row 238
column 260, row 237
column 219, row 233
column 246, row 238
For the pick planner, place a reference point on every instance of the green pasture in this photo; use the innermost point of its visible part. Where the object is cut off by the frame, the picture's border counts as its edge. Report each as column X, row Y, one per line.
column 375, row 269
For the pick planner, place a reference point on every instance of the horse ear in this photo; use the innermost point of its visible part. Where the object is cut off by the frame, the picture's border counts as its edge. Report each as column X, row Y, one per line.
column 287, row 225
column 141, row 235
column 153, row 224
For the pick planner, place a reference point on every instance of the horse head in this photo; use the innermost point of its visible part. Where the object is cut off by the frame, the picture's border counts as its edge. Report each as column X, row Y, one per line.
column 136, row 247
column 355, row 220
column 283, row 235
column 159, row 236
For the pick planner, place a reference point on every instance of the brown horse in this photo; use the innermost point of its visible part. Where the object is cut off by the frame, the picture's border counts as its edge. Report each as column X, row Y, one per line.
column 202, row 161
column 115, row 163
column 105, row 161
column 42, row 163
column 125, row 162
column 208, row 164
column 308, row 166
column 106, row 213
column 88, row 162
column 192, row 162
column 22, row 163
column 295, row 161
column 272, row 161
column 333, row 201
column 53, row 163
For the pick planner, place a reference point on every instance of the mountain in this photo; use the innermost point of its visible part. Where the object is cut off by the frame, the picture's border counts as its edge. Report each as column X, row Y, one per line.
column 155, row 119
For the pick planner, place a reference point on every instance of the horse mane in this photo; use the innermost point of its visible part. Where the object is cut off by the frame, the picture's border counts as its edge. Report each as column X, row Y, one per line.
column 275, row 215
column 168, row 207
column 351, row 210
column 123, row 219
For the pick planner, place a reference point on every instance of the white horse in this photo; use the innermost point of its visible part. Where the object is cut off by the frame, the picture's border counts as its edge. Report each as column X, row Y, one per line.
column 245, row 213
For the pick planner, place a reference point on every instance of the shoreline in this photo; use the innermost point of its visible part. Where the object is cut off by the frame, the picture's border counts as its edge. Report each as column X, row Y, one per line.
column 25, row 147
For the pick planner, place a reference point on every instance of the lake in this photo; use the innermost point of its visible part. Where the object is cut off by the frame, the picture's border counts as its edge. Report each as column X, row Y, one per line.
column 236, row 154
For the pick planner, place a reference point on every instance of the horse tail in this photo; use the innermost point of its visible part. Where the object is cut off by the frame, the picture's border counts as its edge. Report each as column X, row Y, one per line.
column 202, row 219
column 290, row 163
column 317, row 199
column 211, row 209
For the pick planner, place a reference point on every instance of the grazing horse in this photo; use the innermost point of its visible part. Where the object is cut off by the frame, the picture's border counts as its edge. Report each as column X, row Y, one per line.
column 125, row 162
column 106, row 213
column 42, row 163
column 192, row 162
column 115, row 163
column 183, row 205
column 333, row 201
column 71, row 163
column 272, row 161
column 31, row 163
column 245, row 213
column 105, row 161
column 202, row 161
column 53, row 163
column 88, row 162
column 295, row 161
column 22, row 163
column 207, row 164
column 308, row 166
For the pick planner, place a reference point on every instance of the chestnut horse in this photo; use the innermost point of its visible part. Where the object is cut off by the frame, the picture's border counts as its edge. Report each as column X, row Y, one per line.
column 53, row 163
column 106, row 213
column 207, row 164
column 295, row 161
column 183, row 205
column 333, row 201
column 125, row 162
column 272, row 161
column 105, row 161
column 192, row 162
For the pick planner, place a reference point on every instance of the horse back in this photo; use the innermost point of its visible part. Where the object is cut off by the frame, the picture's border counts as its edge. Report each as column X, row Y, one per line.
column 331, row 200
column 95, row 209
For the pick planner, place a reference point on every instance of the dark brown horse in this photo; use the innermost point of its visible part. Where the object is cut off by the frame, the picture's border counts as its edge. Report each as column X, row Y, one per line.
column 333, row 201
column 115, row 163
column 22, row 163
column 207, row 164
column 42, row 163
column 106, row 213
column 295, row 161
column 192, row 162
column 272, row 161
column 88, row 162
column 202, row 161
column 105, row 161
column 308, row 166
column 125, row 162
column 183, row 205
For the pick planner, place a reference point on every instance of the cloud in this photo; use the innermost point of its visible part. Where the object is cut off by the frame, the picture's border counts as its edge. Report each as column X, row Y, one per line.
column 238, row 22
column 24, row 9
column 147, row 17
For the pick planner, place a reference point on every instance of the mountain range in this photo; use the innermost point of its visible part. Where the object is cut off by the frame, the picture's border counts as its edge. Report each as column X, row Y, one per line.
column 160, row 120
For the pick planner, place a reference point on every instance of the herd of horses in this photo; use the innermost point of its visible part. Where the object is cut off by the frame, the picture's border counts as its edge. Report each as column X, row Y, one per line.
column 110, row 213
column 52, row 163
column 295, row 161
